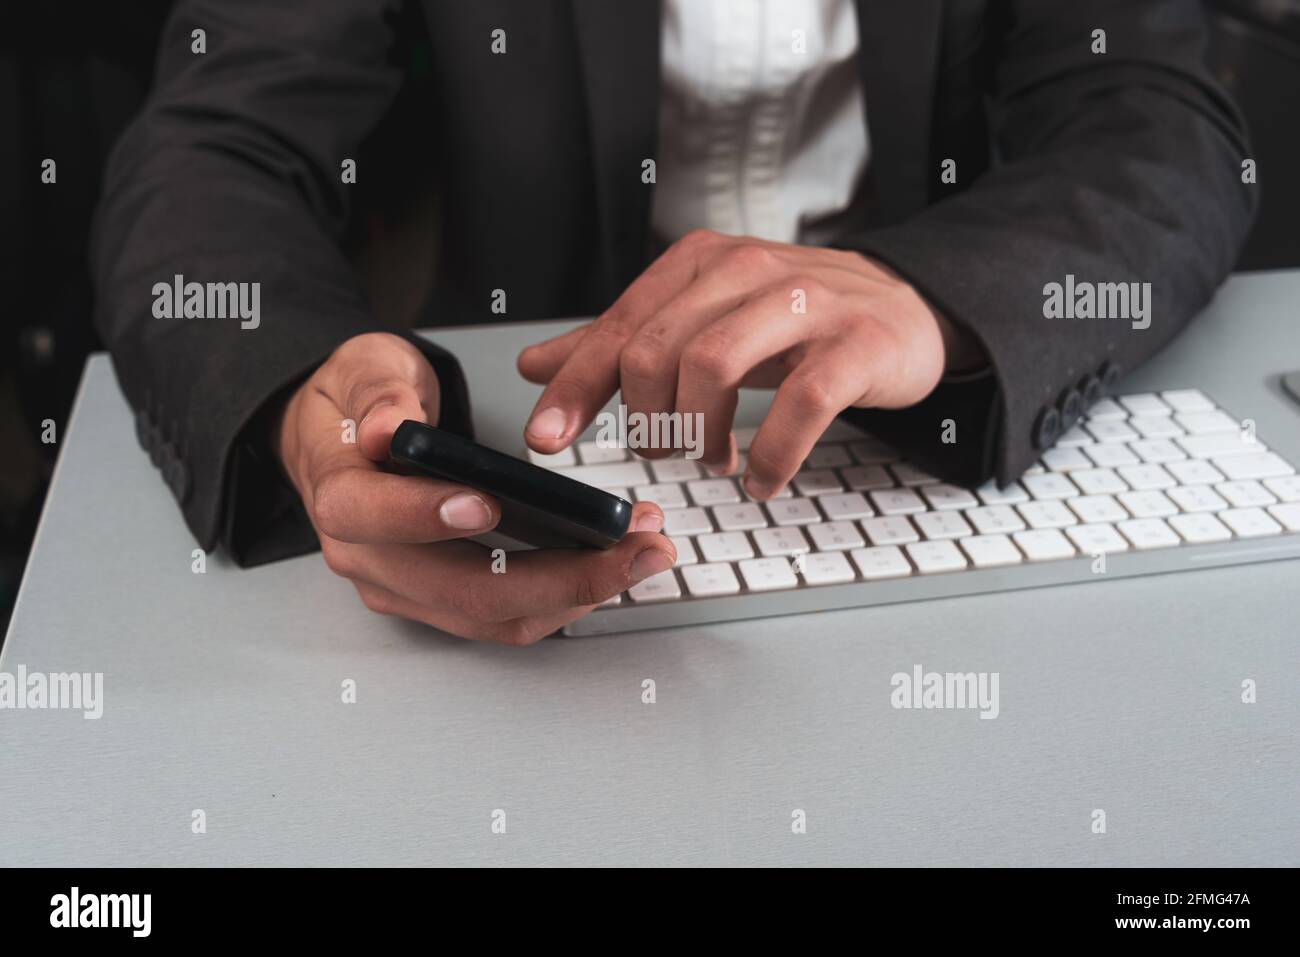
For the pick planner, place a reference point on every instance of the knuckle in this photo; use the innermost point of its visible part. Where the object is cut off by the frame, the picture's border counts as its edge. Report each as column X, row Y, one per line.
column 698, row 238
column 328, row 506
column 338, row 557
column 707, row 357
column 810, row 395
column 479, row 601
column 643, row 358
column 749, row 257
column 377, row 601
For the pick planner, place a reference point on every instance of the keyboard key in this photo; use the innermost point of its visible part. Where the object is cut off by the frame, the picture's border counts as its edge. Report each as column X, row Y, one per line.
column 713, row 491
column 871, row 451
column 864, row 478
column 827, row 568
column 1245, row 494
column 616, row 475
column 881, row 561
column 1258, row 466
column 937, row 525
column 796, row 511
column 1143, row 477
column 945, row 496
column 1288, row 515
column 1249, row 522
column 1196, row 498
column 841, row 431
column 785, row 492
column 780, row 541
column 740, row 517
column 1072, row 437
column 1043, row 544
column 661, row 587
column 835, row 536
column 593, row 453
column 994, row 519
column 846, row 505
column 897, row 501
column 988, row 550
column 910, row 475
column 686, row 521
column 675, row 470
column 817, row 482
column 1145, row 403
column 724, row 546
column 1064, row 459
column 1187, row 400
column 1194, row 472
column 706, row 581
column 1107, row 409
column 932, row 557
column 685, row 549
column 1287, row 489
column 990, row 494
column 767, row 574
column 665, row 495
column 1147, row 533
column 1098, row 482
column 1110, row 430
column 1156, row 450
column 889, row 530
column 1155, row 426
column 1200, row 528
column 827, row 457
column 1148, row 504
column 554, row 460
column 1092, row 509
column 1110, row 455
column 1052, row 514
column 1207, row 423
column 1096, row 538
column 1048, row 486
column 1219, row 445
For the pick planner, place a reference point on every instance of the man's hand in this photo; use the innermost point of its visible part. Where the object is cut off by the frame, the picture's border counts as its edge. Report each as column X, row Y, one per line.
column 400, row 539
column 828, row 329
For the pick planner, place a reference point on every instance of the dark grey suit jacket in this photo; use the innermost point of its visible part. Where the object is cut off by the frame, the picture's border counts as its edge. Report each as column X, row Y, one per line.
column 1121, row 166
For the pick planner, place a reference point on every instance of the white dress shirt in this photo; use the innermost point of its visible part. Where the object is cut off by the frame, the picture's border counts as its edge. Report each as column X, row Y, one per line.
column 761, row 123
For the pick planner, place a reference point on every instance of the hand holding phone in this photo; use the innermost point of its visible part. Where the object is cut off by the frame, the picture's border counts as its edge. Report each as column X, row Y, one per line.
column 405, row 542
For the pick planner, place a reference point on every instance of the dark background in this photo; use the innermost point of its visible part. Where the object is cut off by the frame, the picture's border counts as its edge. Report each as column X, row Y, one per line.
column 73, row 73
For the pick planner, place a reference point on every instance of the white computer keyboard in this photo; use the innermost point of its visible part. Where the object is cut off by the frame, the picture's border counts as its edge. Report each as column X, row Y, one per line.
column 1140, row 472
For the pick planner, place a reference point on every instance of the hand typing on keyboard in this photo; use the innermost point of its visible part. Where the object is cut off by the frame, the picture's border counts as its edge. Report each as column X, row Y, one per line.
column 827, row 329
column 1138, row 475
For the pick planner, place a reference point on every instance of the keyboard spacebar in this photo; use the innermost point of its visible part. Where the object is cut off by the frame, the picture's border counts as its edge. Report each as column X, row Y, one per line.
column 611, row 475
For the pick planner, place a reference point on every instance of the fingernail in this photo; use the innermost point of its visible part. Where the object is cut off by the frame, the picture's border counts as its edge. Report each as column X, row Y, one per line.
column 649, row 522
column 718, row 469
column 755, row 488
column 548, row 424
column 465, row 511
column 650, row 561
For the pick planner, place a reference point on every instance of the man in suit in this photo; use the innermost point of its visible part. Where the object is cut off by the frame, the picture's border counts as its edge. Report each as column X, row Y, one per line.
column 859, row 204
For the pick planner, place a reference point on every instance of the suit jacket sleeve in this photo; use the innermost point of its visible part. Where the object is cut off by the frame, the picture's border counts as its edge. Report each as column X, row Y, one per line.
column 232, row 173
column 1115, row 167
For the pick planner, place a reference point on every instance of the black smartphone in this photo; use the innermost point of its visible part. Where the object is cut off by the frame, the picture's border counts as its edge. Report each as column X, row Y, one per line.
column 538, row 507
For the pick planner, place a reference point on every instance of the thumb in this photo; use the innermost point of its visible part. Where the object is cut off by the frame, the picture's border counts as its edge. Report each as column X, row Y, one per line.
column 378, row 381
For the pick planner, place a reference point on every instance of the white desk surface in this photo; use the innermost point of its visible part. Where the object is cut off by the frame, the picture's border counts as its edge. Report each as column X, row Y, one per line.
column 223, row 693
